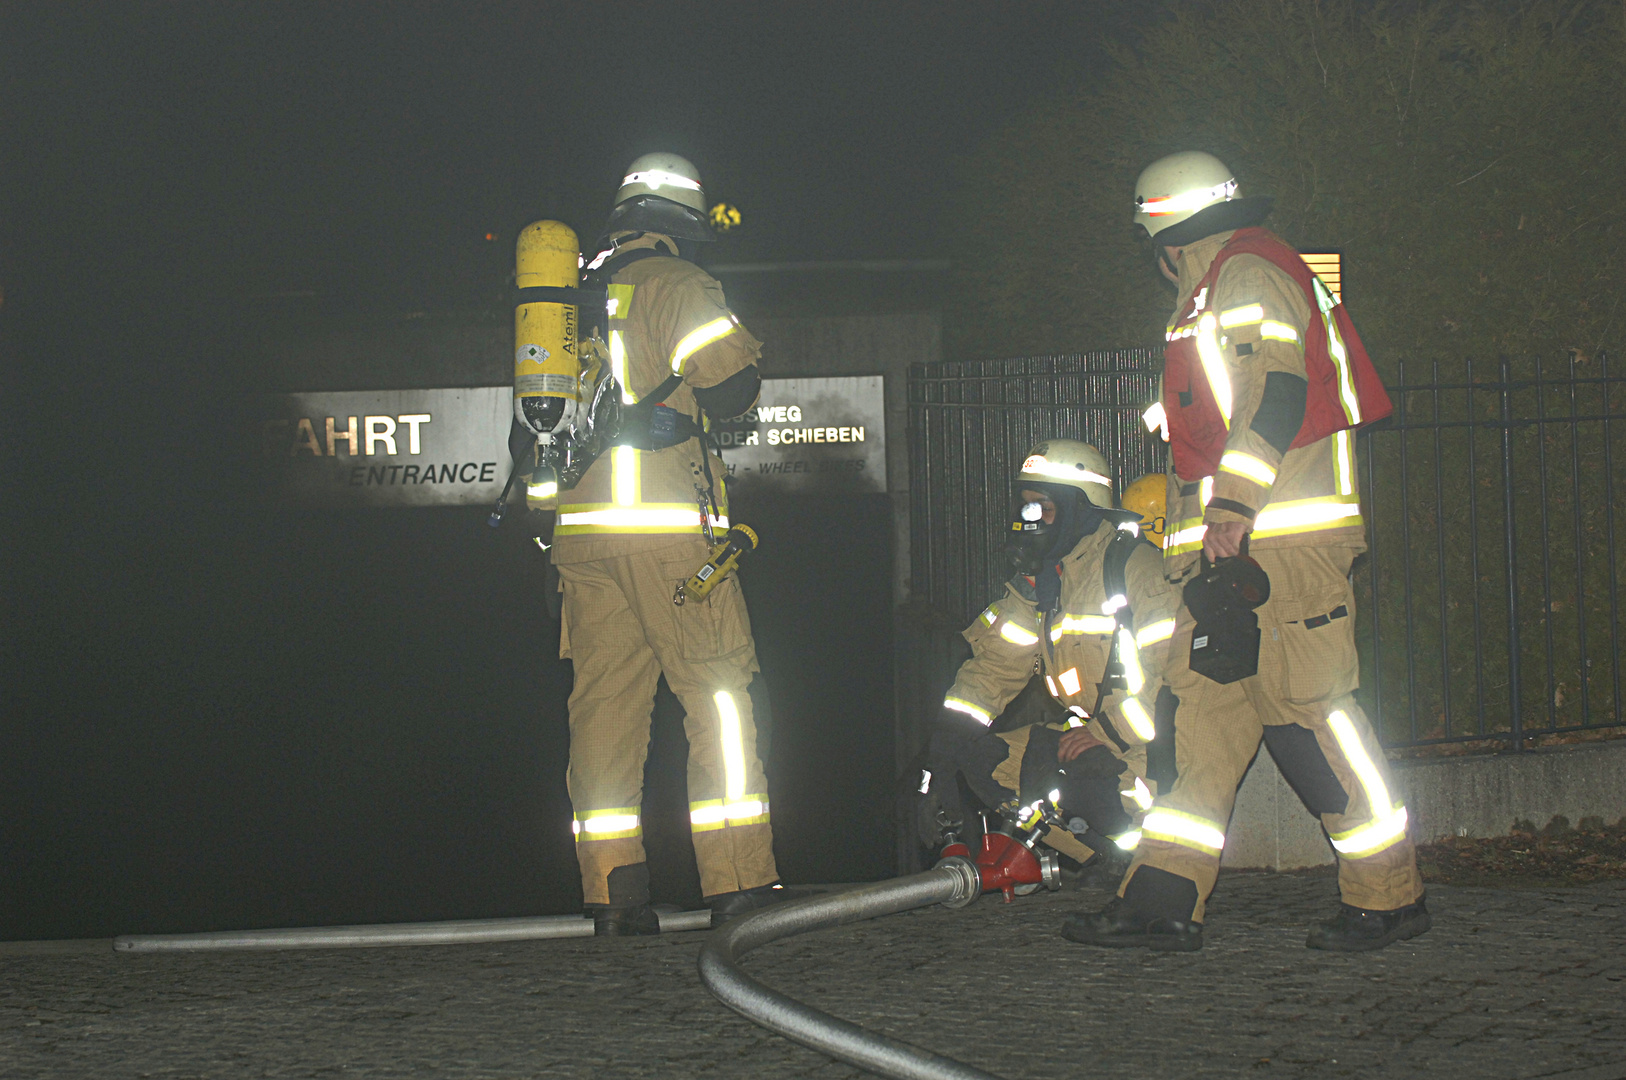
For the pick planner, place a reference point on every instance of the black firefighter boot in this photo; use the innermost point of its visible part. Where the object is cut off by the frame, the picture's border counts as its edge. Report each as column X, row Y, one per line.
column 1356, row 929
column 1153, row 913
column 731, row 905
column 628, row 913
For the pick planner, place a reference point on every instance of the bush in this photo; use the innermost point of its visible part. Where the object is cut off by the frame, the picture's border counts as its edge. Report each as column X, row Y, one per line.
column 1467, row 159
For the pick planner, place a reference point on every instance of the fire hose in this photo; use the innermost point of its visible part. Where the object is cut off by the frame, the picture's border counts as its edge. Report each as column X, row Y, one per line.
column 954, row 882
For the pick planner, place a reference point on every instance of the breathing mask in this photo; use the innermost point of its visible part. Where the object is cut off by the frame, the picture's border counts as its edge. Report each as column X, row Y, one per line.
column 1034, row 545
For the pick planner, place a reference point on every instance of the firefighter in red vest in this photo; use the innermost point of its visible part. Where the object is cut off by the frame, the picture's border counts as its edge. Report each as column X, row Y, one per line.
column 1265, row 383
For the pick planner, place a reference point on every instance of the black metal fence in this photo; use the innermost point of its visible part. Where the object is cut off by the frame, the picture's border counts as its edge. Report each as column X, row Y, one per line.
column 1492, row 584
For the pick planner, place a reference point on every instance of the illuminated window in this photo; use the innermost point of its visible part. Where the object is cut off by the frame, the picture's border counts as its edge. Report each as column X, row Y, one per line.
column 1329, row 267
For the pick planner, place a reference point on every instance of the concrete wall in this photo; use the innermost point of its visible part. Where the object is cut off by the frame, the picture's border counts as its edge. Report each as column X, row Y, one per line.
column 1479, row 795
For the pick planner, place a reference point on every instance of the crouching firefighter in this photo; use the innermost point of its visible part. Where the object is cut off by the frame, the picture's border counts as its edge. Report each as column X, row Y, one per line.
column 1265, row 382
column 631, row 529
column 1089, row 609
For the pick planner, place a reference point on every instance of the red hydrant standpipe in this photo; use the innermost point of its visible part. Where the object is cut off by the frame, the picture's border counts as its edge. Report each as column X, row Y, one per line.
column 1006, row 859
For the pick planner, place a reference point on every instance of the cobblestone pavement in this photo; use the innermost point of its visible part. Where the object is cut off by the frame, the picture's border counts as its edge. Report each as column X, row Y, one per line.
column 1510, row 984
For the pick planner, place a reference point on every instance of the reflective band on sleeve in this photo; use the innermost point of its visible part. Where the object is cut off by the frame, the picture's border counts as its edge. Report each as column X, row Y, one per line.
column 1276, row 331
column 1129, row 656
column 976, row 712
column 1346, row 464
column 1128, row 841
column 699, row 338
column 546, row 490
column 1114, row 604
column 613, row 824
column 1140, row 721
column 1187, row 830
column 712, row 814
column 1205, row 490
column 1140, row 794
column 1069, row 680
column 624, row 475
column 1083, row 624
column 1036, row 465
column 1017, row 635
column 607, row 518
column 733, row 746
column 1307, row 515
column 1152, row 633
column 991, row 615
column 1076, row 716
column 1247, row 466
column 1219, row 381
column 925, row 781
column 1241, row 316
column 1184, row 540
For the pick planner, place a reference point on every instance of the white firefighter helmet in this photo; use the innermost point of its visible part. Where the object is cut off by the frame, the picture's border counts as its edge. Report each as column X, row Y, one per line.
column 661, row 193
column 1184, row 197
column 1069, row 463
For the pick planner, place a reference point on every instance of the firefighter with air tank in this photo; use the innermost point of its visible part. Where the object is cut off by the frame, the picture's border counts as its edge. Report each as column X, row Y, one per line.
column 1088, row 607
column 1265, row 383
column 641, row 504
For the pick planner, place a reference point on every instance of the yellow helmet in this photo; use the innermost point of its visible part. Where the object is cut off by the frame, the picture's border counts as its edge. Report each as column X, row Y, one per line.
column 1148, row 497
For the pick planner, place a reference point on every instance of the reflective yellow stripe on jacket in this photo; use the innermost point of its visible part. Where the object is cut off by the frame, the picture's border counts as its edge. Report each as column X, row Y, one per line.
column 585, row 518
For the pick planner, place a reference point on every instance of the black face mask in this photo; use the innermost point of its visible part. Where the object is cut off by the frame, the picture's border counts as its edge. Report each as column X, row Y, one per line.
column 1035, row 546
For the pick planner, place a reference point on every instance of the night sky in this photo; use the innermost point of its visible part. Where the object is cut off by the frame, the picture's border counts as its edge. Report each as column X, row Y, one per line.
column 218, row 712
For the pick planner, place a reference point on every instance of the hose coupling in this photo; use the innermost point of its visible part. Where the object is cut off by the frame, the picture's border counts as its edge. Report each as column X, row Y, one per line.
column 967, row 880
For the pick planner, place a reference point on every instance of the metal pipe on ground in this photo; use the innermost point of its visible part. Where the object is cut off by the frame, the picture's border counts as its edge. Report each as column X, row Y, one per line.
column 953, row 882
column 458, row 932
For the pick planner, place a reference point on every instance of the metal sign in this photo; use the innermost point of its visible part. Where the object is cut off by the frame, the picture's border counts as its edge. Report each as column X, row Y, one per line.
column 388, row 447
column 810, row 435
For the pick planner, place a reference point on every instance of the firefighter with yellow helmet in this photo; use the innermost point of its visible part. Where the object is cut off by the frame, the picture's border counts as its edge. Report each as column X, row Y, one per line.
column 633, row 529
column 1088, row 607
column 1265, row 383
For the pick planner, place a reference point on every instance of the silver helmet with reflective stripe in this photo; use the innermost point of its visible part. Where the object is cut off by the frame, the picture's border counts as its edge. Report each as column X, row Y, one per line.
column 1184, row 197
column 1069, row 463
column 661, row 193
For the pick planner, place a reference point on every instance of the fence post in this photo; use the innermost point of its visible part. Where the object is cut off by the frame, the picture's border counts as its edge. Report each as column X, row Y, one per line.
column 1515, row 721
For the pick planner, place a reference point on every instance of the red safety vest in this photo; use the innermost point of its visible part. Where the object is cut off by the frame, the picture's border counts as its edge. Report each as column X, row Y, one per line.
column 1344, row 389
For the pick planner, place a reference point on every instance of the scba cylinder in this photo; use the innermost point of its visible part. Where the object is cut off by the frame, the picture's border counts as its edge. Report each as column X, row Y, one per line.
column 547, row 366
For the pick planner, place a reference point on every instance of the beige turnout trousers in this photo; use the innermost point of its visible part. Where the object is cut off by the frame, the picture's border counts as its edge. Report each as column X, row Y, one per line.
column 1301, row 703
column 622, row 631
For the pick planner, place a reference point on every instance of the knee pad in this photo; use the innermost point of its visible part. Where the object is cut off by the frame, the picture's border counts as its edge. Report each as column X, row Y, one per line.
column 1160, row 762
column 1305, row 768
column 1094, row 797
column 629, row 885
column 1039, row 764
column 1160, row 894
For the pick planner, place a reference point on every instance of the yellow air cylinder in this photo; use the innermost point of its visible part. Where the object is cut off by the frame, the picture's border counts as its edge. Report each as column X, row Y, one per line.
column 547, row 366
